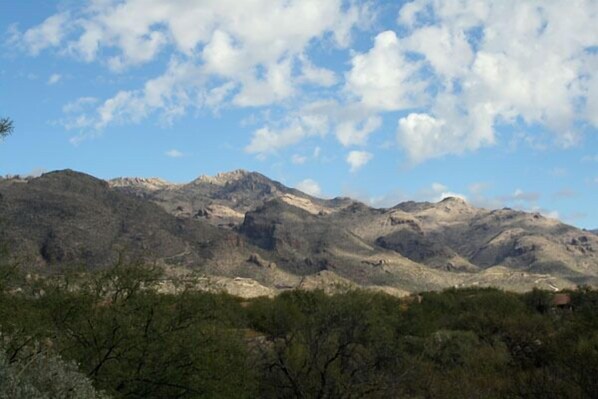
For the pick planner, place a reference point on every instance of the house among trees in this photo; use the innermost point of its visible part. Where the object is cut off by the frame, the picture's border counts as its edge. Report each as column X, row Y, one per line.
column 562, row 301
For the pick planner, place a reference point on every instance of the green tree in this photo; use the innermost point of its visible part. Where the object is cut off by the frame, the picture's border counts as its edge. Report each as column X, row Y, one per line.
column 133, row 341
column 327, row 347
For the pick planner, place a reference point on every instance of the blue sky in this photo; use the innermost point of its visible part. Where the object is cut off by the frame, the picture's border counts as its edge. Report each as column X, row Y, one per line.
column 382, row 101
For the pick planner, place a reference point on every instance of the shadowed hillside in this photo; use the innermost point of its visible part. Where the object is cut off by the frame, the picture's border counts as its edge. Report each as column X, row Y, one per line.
column 71, row 218
column 265, row 237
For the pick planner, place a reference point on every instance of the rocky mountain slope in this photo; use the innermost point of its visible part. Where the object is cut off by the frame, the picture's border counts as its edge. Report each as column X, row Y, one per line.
column 68, row 217
column 223, row 199
column 250, row 235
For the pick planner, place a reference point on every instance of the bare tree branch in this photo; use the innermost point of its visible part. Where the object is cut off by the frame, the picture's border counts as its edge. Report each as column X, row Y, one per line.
column 6, row 127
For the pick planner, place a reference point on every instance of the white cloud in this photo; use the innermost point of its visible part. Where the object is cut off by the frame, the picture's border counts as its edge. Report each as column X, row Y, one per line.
column 316, row 75
column 48, row 34
column 421, row 135
column 310, row 187
column 447, row 51
column 356, row 133
column 550, row 214
column 455, row 69
column 437, row 192
column 358, row 159
column 536, row 73
column 266, row 141
column 256, row 50
column 311, row 120
column 449, row 194
column 172, row 93
column 382, row 78
column 36, row 172
column 174, row 153
column 54, row 78
column 351, row 123
column 298, row 159
column 520, row 195
column 275, row 86
column 79, row 105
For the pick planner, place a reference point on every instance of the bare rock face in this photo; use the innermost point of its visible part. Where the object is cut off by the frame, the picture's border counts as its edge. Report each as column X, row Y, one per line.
column 150, row 184
column 259, row 261
column 305, row 243
column 257, row 236
column 221, row 200
column 415, row 246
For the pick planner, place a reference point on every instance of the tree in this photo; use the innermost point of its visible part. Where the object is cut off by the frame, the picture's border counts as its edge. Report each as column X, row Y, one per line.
column 38, row 374
column 6, row 127
column 326, row 347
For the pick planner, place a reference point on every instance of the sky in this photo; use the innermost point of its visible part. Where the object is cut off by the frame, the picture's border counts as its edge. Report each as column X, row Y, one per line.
column 383, row 101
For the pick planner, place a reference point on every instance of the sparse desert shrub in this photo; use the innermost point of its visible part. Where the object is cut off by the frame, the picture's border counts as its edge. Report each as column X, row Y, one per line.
column 38, row 374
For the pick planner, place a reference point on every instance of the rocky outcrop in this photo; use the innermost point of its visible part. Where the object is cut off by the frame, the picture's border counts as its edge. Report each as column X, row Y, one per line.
column 243, row 225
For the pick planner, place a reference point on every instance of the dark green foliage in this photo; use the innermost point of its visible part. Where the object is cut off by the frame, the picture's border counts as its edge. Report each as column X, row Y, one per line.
column 118, row 329
column 326, row 347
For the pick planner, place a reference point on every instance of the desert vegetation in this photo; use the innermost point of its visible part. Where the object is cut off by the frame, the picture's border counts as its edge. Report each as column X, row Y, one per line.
column 113, row 333
column 6, row 127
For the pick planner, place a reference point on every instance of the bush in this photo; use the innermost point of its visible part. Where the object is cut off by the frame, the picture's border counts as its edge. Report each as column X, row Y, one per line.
column 37, row 374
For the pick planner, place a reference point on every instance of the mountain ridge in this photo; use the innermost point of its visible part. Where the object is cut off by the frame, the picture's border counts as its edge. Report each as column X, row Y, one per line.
column 244, row 225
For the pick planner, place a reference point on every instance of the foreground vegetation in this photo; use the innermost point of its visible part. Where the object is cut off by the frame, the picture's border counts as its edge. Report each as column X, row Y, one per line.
column 111, row 334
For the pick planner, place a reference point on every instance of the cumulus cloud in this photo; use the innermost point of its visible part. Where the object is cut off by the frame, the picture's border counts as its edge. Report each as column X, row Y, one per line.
column 220, row 51
column 266, row 140
column 539, row 82
column 49, row 33
column 316, row 75
column 448, row 73
column 424, row 136
column 352, row 125
column 358, row 159
column 382, row 78
column 310, row 187
column 469, row 76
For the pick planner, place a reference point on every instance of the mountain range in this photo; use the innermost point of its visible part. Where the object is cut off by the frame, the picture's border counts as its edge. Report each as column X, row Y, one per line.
column 250, row 235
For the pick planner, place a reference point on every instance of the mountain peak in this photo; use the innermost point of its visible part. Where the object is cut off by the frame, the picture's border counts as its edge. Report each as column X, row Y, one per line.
column 453, row 200
column 149, row 183
column 223, row 178
column 454, row 206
